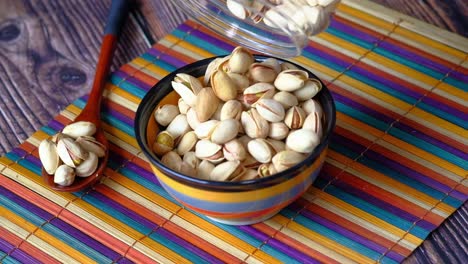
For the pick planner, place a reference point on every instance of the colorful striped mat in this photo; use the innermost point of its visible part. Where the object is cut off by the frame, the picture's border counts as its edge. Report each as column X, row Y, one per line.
column 395, row 170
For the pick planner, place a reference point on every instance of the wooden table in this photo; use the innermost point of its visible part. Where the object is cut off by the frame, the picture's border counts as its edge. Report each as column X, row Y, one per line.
column 48, row 49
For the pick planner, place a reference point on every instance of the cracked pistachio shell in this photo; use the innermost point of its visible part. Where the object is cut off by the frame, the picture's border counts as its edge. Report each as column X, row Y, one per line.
column 191, row 159
column 277, row 145
column 290, row 80
column 312, row 106
column 163, row 144
column 256, row 91
column 204, row 169
column 244, row 140
column 182, row 106
column 192, row 118
column 226, row 170
column 88, row 166
column 185, row 93
column 273, row 63
column 302, row 140
column 80, row 128
column 55, row 138
column 207, row 150
column 309, row 90
column 255, row 126
column 240, row 80
column 212, row 66
column 187, row 143
column 248, row 174
column 64, row 175
column 232, row 109
column 278, row 130
column 312, row 122
column 234, row 150
column 261, row 72
column 288, row 66
column 286, row 159
column 187, row 169
column 188, row 80
column 294, row 117
column 260, row 150
column 205, row 129
column 266, row 169
column 165, row 114
column 240, row 60
column 206, row 104
column 90, row 144
column 225, row 131
column 172, row 160
column 179, row 126
column 49, row 156
column 250, row 162
column 270, row 109
column 70, row 152
column 223, row 87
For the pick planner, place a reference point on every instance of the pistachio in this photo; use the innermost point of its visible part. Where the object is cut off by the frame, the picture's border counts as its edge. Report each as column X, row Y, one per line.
column 172, row 160
column 205, row 129
column 286, row 159
column 204, row 169
column 286, row 99
column 257, row 11
column 266, row 169
column 223, row 87
column 192, row 118
column 244, row 140
column 274, row 64
column 234, row 150
column 270, row 109
column 80, row 128
column 165, row 114
column 225, row 131
column 260, row 150
column 207, row 150
column 240, row 80
column 287, row 66
column 187, row 143
column 237, row 8
column 290, row 80
column 212, row 66
column 262, row 72
column 64, row 175
column 255, row 126
column 309, row 90
column 55, row 138
column 277, row 17
column 178, row 127
column 312, row 122
column 191, row 159
column 232, row 109
column 206, row 104
column 294, row 117
column 226, row 170
column 312, row 106
column 182, row 106
column 188, row 80
column 217, row 113
column 71, row 152
column 187, row 169
column 256, row 91
column 49, row 156
column 88, row 166
column 185, row 93
column 250, row 162
column 276, row 145
column 240, row 60
column 248, row 174
column 278, row 130
column 90, row 144
column 302, row 140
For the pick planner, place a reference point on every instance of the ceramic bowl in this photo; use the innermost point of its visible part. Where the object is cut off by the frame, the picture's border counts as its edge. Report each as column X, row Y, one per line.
column 234, row 203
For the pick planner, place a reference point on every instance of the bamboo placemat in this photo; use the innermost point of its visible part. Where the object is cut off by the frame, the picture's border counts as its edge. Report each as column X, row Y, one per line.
column 395, row 170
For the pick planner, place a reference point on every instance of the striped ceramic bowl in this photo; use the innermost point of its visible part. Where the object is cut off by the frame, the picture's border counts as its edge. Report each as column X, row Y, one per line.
column 235, row 203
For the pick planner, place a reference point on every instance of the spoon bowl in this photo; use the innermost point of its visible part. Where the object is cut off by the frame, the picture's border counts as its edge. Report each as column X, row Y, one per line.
column 91, row 112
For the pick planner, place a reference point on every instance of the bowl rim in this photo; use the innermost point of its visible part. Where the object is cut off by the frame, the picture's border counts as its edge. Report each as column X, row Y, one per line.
column 148, row 104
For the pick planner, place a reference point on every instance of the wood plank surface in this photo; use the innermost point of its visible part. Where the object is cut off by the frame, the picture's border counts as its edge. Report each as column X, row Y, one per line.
column 48, row 51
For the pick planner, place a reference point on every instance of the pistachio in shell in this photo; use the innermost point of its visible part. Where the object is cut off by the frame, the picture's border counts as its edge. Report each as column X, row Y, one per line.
column 64, row 175
column 223, row 87
column 88, row 166
column 206, row 104
column 49, row 156
column 302, row 140
column 80, row 128
column 165, row 114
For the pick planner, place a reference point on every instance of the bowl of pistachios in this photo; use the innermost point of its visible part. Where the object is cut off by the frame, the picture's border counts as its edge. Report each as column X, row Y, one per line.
column 236, row 138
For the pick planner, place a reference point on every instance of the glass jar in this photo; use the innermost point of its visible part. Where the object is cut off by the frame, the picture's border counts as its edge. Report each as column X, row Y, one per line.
column 273, row 27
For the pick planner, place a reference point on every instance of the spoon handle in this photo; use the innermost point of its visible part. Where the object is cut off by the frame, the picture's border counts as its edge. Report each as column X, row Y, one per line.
column 115, row 20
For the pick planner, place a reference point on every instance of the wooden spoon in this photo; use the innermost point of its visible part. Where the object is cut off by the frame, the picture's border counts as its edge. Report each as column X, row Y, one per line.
column 91, row 112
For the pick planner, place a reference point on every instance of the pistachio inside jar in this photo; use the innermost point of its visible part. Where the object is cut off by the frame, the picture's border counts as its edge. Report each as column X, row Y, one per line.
column 275, row 27
column 225, row 154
